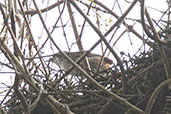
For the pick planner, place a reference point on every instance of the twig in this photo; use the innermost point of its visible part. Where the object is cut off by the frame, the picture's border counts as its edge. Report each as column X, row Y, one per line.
column 32, row 12
column 130, row 28
column 155, row 94
column 20, row 95
column 2, row 111
column 102, row 38
column 156, row 37
column 78, row 41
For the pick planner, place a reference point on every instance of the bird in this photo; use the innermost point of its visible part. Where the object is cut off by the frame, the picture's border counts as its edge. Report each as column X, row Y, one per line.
column 94, row 61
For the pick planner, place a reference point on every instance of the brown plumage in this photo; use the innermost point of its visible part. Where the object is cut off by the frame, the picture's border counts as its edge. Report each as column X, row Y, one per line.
column 94, row 61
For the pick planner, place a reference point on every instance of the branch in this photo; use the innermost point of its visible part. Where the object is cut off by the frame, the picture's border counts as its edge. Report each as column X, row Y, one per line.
column 130, row 28
column 33, row 12
column 78, row 40
column 155, row 94
column 158, row 41
column 102, row 38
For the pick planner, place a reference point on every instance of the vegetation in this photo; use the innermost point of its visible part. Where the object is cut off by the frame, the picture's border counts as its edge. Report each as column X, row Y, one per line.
column 139, row 81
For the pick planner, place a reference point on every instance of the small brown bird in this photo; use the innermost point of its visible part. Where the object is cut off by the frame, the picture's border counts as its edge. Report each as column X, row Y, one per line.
column 94, row 62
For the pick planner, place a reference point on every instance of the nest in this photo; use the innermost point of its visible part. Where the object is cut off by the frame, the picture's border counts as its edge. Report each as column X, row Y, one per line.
column 143, row 74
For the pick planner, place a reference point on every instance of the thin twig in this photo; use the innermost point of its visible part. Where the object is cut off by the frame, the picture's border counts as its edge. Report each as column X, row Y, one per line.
column 154, row 95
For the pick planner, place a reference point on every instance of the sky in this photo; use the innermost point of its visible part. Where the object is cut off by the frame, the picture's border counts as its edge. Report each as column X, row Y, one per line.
column 89, row 36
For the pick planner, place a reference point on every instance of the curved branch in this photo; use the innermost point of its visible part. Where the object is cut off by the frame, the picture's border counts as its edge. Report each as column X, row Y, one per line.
column 102, row 38
column 20, row 95
column 33, row 12
column 130, row 28
column 143, row 10
column 155, row 94
column 2, row 111
column 161, row 49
